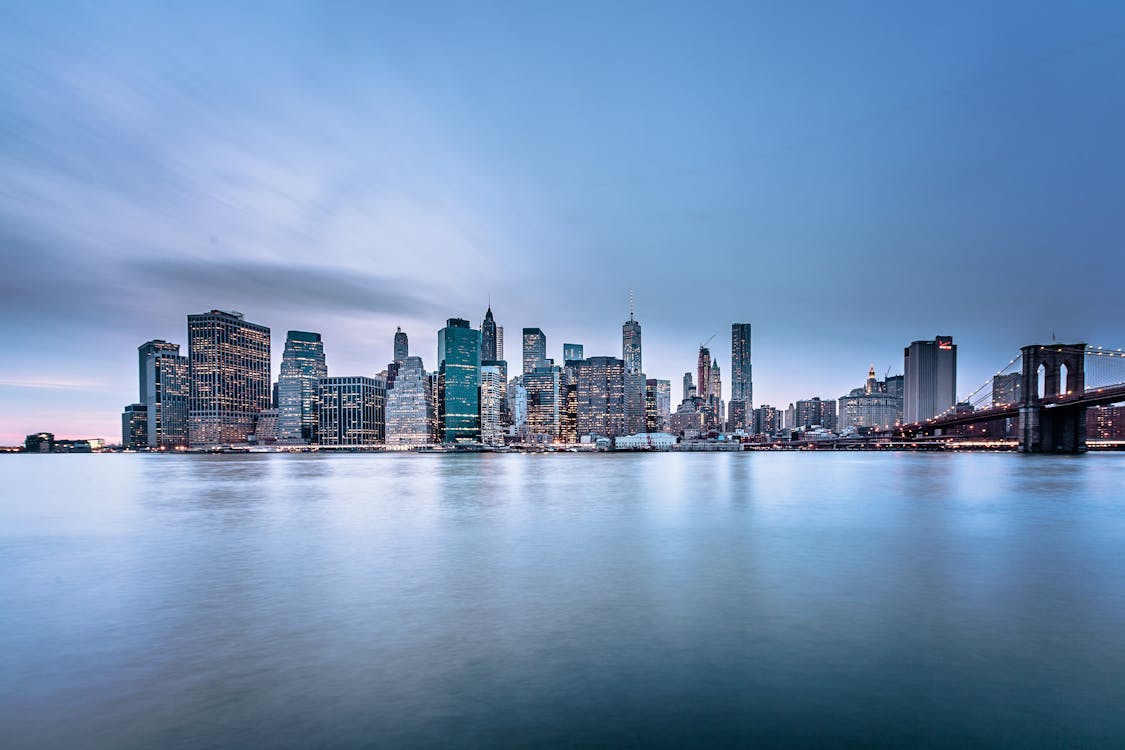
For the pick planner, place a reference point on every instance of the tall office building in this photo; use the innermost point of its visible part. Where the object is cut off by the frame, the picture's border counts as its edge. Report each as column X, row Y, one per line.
column 517, row 405
column 631, row 342
column 302, row 367
column 929, row 378
column 499, row 343
column 741, row 369
column 703, row 373
column 600, row 393
column 230, row 377
column 572, row 352
column 351, row 411
column 493, row 392
column 459, row 382
column 658, row 404
column 689, row 387
column 409, row 407
column 545, row 403
column 165, row 385
column 635, row 386
column 402, row 345
column 488, row 338
column 134, row 427
column 534, row 349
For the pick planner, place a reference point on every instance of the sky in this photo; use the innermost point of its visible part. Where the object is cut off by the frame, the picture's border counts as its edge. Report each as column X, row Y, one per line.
column 847, row 177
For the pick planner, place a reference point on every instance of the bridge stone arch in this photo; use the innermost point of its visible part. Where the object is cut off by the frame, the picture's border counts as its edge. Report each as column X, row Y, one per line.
column 1053, row 357
column 1047, row 425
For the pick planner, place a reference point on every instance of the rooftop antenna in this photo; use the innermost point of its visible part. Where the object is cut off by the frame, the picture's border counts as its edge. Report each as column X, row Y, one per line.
column 630, row 305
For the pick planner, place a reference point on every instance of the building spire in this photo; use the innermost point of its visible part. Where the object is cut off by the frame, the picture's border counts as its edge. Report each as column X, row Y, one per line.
column 630, row 305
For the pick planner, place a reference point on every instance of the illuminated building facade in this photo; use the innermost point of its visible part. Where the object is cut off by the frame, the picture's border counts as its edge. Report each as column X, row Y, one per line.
column 165, row 384
column 134, row 427
column 930, row 378
column 741, row 369
column 572, row 352
column 534, row 349
column 658, row 404
column 302, row 368
column 493, row 391
column 766, row 420
column 544, row 402
column 600, row 396
column 409, row 406
column 351, row 411
column 230, row 377
column 459, row 382
column 265, row 427
column 517, row 406
column 815, row 412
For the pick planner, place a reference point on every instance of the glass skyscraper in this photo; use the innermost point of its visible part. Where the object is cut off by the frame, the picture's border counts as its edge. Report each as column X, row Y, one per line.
column 493, row 393
column 351, row 411
column 410, row 406
column 572, row 352
column 459, row 382
column 302, row 367
column 489, row 351
column 534, row 349
column 164, row 389
column 741, row 377
column 230, row 377
column 601, row 397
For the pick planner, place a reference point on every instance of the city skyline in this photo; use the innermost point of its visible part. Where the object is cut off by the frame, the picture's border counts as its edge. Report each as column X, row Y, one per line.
column 319, row 178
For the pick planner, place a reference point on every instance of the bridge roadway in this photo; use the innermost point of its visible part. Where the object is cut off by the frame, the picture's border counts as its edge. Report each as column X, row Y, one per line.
column 1091, row 397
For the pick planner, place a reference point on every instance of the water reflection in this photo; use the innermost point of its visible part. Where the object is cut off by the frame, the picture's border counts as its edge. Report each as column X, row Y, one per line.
column 676, row 599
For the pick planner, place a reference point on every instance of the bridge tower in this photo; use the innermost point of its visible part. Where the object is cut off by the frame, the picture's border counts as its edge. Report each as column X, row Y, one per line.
column 1047, row 423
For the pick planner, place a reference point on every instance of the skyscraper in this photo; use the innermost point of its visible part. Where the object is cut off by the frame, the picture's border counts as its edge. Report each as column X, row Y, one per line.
column 658, row 404
column 703, row 373
column 459, row 382
column 402, row 345
column 302, row 367
column 689, row 387
column 534, row 349
column 741, row 377
column 572, row 352
column 409, row 408
column 230, row 377
column 351, row 411
column 493, row 391
column 165, row 384
column 600, row 394
column 631, row 342
column 929, row 378
column 545, row 402
column 488, row 351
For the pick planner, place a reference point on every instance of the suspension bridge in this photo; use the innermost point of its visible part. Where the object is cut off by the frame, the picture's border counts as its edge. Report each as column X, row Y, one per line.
column 1040, row 397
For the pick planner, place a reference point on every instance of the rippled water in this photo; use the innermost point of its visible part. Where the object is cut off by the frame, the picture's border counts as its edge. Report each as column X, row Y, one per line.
column 562, row 600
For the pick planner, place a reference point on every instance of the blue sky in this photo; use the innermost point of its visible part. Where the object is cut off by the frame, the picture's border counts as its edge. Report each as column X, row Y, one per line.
column 847, row 177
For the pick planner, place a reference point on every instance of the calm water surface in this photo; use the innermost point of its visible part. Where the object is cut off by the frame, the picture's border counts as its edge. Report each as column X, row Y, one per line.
column 669, row 600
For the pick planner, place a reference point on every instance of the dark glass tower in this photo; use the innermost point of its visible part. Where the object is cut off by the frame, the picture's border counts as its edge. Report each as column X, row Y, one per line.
column 302, row 367
column 741, row 371
column 402, row 346
column 459, row 382
column 488, row 337
column 534, row 349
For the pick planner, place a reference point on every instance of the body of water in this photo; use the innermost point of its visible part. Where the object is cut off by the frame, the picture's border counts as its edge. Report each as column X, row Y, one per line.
column 663, row 600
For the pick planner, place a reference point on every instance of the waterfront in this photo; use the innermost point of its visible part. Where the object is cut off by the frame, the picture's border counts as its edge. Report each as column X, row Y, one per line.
column 668, row 600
